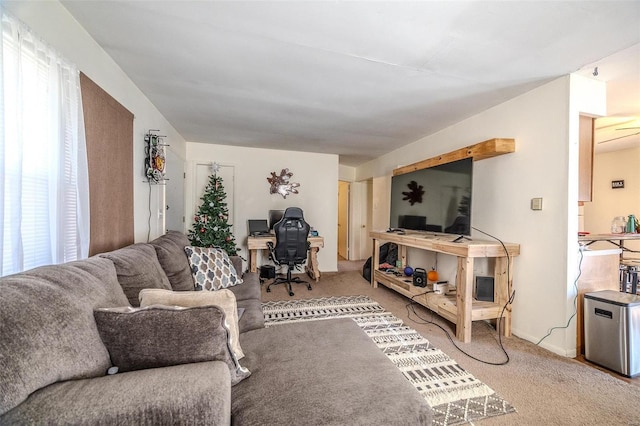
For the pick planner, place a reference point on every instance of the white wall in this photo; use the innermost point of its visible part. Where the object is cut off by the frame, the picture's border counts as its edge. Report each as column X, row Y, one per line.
column 54, row 24
column 317, row 175
column 607, row 202
column 346, row 173
column 544, row 165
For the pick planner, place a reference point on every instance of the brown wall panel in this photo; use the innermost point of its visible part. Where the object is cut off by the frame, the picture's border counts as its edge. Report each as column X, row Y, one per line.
column 109, row 132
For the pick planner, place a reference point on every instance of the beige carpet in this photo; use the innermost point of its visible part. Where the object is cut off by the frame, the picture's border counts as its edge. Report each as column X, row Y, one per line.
column 545, row 389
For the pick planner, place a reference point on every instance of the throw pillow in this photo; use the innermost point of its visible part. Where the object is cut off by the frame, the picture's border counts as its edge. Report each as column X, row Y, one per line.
column 211, row 268
column 224, row 299
column 160, row 336
column 137, row 267
column 170, row 250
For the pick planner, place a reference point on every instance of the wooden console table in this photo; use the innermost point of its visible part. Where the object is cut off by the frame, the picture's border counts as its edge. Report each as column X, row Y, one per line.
column 260, row 243
column 460, row 308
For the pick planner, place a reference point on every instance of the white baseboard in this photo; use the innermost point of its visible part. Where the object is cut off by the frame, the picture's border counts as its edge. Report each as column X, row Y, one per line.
column 568, row 353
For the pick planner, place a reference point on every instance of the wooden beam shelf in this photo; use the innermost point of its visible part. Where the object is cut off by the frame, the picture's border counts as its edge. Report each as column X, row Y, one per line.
column 480, row 151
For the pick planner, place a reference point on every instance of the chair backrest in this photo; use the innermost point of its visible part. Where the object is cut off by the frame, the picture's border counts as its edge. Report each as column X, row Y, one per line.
column 291, row 237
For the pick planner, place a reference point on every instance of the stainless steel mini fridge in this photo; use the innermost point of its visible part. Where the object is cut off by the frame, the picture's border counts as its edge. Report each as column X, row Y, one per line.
column 612, row 331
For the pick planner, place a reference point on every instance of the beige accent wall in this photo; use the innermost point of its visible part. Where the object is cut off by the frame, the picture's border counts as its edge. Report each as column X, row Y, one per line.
column 607, row 202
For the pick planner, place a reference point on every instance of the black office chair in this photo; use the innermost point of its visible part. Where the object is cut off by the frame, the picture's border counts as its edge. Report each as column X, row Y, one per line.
column 291, row 246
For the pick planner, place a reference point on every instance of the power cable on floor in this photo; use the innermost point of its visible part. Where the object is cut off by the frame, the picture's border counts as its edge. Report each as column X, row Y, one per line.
column 411, row 308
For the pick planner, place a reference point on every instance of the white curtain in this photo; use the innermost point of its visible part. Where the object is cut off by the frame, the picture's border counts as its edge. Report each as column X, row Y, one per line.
column 44, row 192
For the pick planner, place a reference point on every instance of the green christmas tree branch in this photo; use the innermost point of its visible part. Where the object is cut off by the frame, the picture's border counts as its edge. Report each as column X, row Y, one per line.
column 211, row 226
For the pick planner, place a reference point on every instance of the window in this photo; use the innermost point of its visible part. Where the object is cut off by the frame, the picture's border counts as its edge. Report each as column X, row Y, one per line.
column 44, row 200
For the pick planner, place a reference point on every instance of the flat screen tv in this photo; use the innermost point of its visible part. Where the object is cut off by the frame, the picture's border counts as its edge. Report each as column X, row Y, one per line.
column 436, row 199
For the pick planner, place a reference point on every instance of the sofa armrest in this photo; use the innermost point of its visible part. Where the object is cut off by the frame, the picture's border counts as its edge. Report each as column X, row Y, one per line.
column 198, row 393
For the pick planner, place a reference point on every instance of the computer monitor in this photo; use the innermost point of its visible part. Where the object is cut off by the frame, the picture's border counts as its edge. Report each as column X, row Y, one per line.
column 274, row 217
column 258, row 227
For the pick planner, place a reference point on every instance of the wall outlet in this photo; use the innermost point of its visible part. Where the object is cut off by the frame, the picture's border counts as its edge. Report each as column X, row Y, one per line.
column 536, row 203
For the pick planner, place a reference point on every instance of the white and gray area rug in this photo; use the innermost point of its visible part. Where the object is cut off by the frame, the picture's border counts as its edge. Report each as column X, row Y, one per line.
column 455, row 395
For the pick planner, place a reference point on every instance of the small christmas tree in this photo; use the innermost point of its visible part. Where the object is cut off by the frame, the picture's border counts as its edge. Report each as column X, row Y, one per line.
column 211, row 227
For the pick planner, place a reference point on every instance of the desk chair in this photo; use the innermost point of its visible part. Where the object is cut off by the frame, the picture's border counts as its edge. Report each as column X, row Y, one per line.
column 291, row 246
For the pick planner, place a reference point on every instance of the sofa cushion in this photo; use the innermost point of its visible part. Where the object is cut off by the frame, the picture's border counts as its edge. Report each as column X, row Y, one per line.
column 224, row 299
column 138, row 267
column 335, row 376
column 173, row 259
column 160, row 336
column 250, row 287
column 47, row 331
column 252, row 317
column 189, row 394
column 211, row 268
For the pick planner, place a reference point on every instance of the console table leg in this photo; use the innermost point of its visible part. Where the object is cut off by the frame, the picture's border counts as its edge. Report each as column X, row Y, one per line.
column 502, row 292
column 402, row 255
column 312, row 264
column 253, row 254
column 464, row 298
column 375, row 261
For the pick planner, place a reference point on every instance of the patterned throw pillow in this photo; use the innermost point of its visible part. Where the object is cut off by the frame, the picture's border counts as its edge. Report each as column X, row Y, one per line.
column 211, row 268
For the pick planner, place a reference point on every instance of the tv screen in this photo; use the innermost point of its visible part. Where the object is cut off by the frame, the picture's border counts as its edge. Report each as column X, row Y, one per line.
column 436, row 199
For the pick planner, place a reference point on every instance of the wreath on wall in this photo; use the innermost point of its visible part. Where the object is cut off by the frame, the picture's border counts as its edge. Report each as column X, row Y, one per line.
column 280, row 184
column 415, row 193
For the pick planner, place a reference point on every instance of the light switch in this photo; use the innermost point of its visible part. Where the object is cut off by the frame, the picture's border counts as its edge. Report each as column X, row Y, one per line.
column 536, row 203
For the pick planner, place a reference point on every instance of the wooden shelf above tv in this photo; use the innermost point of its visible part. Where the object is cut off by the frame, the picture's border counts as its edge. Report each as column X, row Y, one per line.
column 480, row 151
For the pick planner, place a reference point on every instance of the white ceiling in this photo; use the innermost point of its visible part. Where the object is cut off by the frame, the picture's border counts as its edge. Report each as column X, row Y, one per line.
column 621, row 128
column 357, row 79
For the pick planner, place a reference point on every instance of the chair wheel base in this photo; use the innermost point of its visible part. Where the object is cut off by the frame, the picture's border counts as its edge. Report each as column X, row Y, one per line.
column 288, row 281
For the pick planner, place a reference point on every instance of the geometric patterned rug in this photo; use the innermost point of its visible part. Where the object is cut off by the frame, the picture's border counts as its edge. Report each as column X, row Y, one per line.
column 455, row 395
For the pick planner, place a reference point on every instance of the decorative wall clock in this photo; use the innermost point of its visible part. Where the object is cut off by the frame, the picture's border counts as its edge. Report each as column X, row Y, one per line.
column 154, row 157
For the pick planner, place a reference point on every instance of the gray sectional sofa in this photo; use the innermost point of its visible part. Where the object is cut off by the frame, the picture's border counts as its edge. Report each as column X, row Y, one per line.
column 54, row 364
